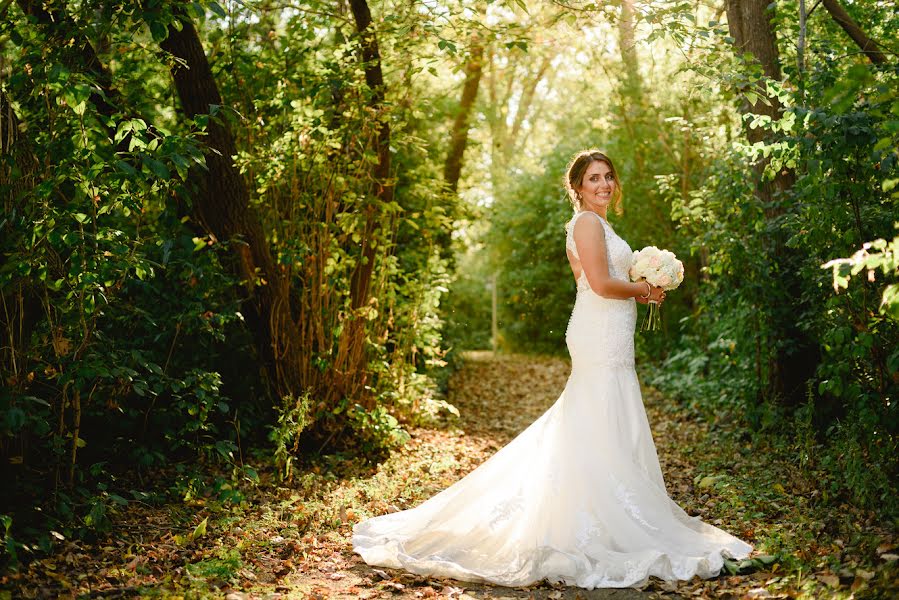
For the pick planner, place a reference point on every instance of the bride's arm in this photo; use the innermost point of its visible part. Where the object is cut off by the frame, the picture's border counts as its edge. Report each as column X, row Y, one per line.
column 589, row 237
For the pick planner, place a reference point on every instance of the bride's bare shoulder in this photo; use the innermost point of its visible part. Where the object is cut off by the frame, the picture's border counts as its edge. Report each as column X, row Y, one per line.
column 579, row 224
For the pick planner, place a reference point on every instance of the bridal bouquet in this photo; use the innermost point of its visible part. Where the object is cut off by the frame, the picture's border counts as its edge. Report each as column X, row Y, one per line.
column 660, row 268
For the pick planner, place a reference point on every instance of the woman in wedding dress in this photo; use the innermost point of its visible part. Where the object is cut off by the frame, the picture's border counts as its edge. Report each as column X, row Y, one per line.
column 578, row 497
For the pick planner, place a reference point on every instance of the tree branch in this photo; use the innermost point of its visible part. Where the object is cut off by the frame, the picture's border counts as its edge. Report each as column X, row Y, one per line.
column 868, row 46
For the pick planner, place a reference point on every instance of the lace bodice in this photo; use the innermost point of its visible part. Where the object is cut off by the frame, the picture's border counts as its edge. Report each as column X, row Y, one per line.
column 618, row 252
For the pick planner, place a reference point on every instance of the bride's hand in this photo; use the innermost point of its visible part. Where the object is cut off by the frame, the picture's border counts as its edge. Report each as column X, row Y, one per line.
column 656, row 295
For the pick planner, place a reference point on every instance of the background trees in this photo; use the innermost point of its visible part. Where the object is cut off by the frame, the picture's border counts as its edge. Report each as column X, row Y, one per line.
column 233, row 225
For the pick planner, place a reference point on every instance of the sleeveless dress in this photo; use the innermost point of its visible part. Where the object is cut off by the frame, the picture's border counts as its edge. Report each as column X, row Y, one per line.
column 578, row 497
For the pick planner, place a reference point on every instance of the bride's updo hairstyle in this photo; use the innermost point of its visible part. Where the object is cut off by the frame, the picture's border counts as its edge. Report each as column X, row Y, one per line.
column 574, row 177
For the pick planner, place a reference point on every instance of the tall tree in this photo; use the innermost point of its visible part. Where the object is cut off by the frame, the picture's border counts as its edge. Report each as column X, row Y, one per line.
column 512, row 82
column 222, row 207
column 452, row 169
column 349, row 369
column 792, row 359
column 382, row 184
column 627, row 43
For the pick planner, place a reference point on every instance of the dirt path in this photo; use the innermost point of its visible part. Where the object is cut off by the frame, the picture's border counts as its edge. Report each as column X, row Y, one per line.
column 292, row 540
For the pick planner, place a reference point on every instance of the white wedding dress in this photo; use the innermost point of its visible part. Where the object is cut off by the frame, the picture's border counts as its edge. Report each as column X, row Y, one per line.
column 578, row 497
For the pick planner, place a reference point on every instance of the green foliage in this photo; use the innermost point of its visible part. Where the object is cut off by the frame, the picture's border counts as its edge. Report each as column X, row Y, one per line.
column 223, row 568
column 884, row 257
column 128, row 342
column 468, row 305
column 292, row 420
column 836, row 139
column 129, row 347
column 527, row 229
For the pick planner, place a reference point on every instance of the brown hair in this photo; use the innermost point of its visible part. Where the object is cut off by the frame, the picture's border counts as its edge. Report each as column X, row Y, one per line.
column 574, row 177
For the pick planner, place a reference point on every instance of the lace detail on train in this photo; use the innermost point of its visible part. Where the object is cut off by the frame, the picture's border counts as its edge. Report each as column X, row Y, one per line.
column 578, row 497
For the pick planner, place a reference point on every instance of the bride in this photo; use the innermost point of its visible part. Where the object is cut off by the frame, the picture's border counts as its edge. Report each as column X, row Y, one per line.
column 578, row 497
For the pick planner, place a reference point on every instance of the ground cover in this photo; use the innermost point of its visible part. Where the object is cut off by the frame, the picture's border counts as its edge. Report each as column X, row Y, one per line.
column 292, row 539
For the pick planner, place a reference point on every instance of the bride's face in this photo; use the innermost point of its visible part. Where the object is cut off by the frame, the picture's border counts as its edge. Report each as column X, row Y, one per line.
column 597, row 187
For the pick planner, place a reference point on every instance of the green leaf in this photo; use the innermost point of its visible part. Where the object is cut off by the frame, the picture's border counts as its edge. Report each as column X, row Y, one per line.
column 125, row 167
column 158, row 31
column 217, row 9
column 889, row 304
column 200, row 530
column 158, row 168
column 118, row 499
column 447, row 45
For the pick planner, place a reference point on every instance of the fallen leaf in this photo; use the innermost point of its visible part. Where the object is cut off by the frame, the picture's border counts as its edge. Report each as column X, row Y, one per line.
column 829, row 579
column 709, row 480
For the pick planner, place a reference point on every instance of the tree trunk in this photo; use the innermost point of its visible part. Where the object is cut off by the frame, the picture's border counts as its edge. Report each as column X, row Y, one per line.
column 627, row 44
column 868, row 46
column 349, row 374
column 630, row 91
column 20, row 306
column 506, row 139
column 222, row 207
column 523, row 110
column 793, row 357
column 452, row 169
column 751, row 29
column 383, row 185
